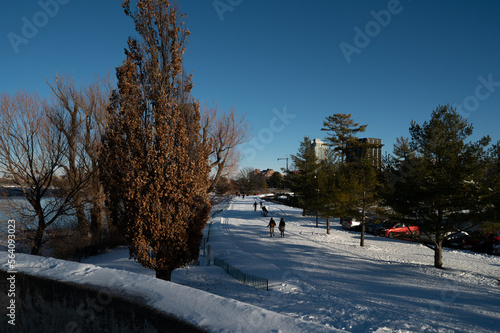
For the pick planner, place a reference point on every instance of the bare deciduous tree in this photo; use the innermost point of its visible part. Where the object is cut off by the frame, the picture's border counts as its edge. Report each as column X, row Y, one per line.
column 32, row 151
column 226, row 131
column 79, row 114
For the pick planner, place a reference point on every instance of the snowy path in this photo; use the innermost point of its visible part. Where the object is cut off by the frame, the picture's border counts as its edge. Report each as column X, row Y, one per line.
column 387, row 285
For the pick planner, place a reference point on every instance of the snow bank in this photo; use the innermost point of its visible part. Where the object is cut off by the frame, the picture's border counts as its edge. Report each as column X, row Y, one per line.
column 210, row 312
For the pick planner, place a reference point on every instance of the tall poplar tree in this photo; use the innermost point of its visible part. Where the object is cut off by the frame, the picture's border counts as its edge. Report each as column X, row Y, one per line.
column 154, row 164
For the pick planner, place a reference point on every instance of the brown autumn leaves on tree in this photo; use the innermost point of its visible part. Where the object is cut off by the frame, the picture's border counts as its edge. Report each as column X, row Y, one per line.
column 154, row 162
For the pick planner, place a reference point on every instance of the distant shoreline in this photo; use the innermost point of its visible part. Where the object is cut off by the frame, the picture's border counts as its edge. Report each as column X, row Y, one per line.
column 9, row 192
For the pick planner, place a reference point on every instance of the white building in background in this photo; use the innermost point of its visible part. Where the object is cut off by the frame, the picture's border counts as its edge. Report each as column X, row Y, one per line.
column 319, row 148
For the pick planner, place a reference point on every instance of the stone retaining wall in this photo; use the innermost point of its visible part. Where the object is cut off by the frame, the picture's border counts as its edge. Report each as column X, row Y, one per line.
column 44, row 305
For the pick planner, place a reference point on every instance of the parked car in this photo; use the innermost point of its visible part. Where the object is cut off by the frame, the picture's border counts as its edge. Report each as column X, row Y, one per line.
column 496, row 247
column 350, row 223
column 371, row 227
column 395, row 228
column 480, row 241
column 379, row 230
column 455, row 240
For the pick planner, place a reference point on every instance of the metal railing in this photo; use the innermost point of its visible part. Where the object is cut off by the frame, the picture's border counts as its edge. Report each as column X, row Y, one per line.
column 249, row 280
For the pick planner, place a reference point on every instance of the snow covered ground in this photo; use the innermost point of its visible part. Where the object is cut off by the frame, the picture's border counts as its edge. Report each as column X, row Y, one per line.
column 385, row 286
column 332, row 282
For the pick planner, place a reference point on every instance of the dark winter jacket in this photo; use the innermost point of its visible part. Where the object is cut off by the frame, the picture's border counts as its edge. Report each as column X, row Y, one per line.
column 282, row 224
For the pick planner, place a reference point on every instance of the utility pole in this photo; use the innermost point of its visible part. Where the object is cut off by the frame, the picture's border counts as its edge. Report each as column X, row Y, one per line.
column 284, row 158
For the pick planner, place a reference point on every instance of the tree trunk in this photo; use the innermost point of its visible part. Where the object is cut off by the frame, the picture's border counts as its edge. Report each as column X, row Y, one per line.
column 362, row 241
column 37, row 242
column 216, row 177
column 328, row 225
column 317, row 216
column 96, row 224
column 164, row 275
column 438, row 255
column 97, row 216
column 83, row 225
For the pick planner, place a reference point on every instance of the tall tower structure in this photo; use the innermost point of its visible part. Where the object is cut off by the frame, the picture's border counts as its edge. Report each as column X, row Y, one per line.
column 374, row 150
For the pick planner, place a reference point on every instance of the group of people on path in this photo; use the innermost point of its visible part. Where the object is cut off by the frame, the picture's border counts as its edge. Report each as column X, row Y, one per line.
column 255, row 205
column 271, row 224
column 281, row 227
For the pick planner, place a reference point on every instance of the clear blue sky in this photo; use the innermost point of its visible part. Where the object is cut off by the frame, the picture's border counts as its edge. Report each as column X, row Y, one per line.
column 286, row 64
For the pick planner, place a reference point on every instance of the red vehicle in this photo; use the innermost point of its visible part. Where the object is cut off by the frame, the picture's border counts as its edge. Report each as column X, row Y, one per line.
column 393, row 229
column 480, row 241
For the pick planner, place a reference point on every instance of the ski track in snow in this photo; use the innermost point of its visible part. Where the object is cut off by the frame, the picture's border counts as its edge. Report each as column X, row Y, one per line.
column 385, row 286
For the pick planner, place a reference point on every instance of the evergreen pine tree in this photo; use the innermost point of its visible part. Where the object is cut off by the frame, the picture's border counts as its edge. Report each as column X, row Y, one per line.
column 441, row 186
column 304, row 182
column 329, row 201
column 343, row 135
column 357, row 182
column 492, row 188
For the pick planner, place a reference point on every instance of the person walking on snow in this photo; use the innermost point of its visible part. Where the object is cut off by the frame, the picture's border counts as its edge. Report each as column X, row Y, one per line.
column 271, row 226
column 255, row 206
column 282, row 227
